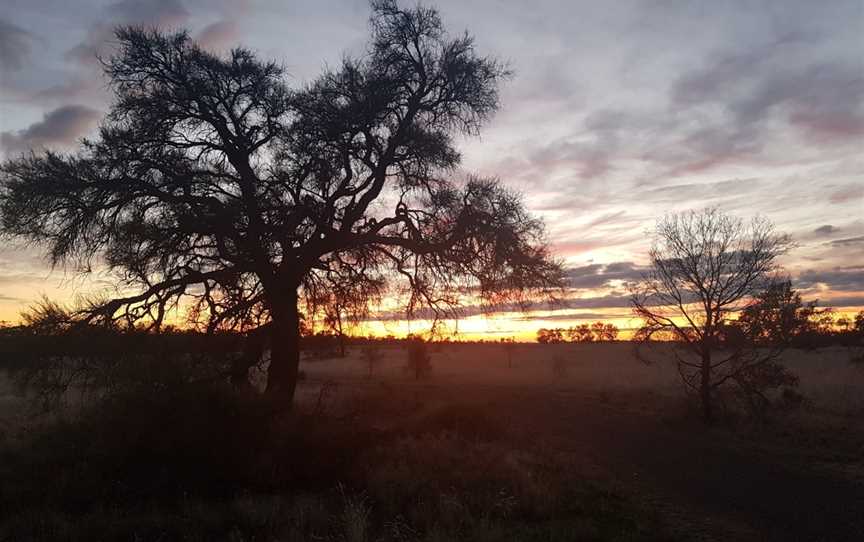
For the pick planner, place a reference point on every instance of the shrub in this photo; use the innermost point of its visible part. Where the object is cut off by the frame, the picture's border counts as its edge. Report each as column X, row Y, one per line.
column 371, row 357
column 419, row 359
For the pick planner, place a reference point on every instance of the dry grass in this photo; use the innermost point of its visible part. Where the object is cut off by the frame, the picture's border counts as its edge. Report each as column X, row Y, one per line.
column 830, row 383
column 574, row 442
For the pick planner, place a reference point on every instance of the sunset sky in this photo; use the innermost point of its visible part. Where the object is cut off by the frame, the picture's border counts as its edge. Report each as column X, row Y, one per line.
column 617, row 113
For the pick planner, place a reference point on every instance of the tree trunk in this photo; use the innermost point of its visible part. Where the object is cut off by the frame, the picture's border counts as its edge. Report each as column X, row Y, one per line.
column 705, row 388
column 284, row 348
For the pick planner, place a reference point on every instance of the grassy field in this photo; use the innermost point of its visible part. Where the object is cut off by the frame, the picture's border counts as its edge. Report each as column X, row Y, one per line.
column 571, row 442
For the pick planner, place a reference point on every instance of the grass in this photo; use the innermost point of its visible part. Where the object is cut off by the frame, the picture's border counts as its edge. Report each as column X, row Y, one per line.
column 208, row 465
column 477, row 451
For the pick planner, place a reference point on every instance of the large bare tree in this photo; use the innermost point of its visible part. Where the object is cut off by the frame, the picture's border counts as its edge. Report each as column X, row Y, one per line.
column 213, row 181
column 705, row 268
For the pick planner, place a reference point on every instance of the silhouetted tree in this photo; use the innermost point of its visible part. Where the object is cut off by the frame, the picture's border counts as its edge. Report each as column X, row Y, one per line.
column 214, row 184
column 344, row 304
column 705, row 267
column 776, row 316
column 419, row 359
column 371, row 357
column 605, row 332
column 509, row 349
column 580, row 334
column 550, row 336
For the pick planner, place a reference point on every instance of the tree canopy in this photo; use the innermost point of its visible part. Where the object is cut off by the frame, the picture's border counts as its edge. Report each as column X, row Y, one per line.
column 212, row 180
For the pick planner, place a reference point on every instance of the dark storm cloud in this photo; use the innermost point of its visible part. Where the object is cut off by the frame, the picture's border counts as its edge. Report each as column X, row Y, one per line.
column 15, row 46
column 849, row 279
column 599, row 275
column 60, row 127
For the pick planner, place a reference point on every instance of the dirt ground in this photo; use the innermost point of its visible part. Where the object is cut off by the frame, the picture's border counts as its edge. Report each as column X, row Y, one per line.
column 797, row 476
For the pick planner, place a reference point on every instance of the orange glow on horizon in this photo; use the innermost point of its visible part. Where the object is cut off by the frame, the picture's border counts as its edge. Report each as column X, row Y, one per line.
column 520, row 326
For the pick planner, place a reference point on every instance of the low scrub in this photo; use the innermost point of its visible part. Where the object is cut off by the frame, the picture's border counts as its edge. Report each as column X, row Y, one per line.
column 205, row 463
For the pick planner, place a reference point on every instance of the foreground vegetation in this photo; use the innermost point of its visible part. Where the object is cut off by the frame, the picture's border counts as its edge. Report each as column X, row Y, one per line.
column 559, row 442
column 204, row 464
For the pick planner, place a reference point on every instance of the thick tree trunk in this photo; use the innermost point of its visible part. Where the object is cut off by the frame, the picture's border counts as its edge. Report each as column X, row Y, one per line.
column 705, row 388
column 284, row 348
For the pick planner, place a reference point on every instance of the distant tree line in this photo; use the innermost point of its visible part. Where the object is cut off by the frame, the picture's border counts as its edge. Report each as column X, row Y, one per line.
column 584, row 333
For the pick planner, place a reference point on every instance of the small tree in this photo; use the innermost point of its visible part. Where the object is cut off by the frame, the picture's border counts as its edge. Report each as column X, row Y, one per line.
column 776, row 316
column 550, row 336
column 581, row 334
column 419, row 359
column 706, row 266
column 371, row 357
column 608, row 333
column 509, row 349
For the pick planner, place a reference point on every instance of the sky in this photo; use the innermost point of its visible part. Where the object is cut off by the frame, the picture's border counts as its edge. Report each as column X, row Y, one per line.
column 617, row 113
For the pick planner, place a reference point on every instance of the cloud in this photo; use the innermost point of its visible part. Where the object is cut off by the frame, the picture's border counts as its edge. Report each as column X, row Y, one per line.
column 60, row 127
column 611, row 301
column 849, row 193
column 827, row 229
column 743, row 104
column 153, row 13
column 86, row 83
column 15, row 45
column 218, row 35
column 608, row 218
column 571, row 248
column 571, row 316
column 844, row 301
column 821, row 98
column 848, row 241
column 703, row 192
column 849, row 279
column 599, row 275
column 600, row 302
column 17, row 278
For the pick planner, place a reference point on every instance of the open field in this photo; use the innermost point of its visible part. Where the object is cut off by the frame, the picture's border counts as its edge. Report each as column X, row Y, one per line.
column 798, row 476
column 575, row 442
column 828, row 379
